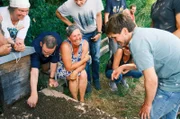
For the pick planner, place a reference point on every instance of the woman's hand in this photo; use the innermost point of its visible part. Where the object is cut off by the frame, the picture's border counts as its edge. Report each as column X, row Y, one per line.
column 73, row 75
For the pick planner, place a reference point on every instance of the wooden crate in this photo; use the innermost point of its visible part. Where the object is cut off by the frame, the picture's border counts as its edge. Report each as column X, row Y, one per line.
column 14, row 76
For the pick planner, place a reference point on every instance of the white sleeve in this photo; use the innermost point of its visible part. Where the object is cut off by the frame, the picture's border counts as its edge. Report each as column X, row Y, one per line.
column 23, row 32
column 100, row 6
column 6, row 32
column 4, row 14
column 63, row 9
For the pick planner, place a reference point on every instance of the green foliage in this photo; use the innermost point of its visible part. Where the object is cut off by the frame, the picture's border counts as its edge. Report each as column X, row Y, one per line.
column 143, row 11
column 43, row 18
column 55, row 2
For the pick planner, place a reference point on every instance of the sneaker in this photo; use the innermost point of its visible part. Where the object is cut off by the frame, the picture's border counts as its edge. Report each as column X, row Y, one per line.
column 97, row 85
column 124, row 83
column 113, row 86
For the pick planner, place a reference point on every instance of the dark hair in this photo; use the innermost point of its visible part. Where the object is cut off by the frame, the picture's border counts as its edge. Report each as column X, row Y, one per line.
column 50, row 41
column 1, row 31
column 117, row 22
column 131, row 6
column 70, row 29
column 11, row 9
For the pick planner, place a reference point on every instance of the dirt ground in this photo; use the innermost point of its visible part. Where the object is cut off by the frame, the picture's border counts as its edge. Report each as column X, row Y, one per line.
column 52, row 108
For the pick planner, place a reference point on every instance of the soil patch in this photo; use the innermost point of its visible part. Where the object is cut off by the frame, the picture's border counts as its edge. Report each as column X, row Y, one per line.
column 49, row 107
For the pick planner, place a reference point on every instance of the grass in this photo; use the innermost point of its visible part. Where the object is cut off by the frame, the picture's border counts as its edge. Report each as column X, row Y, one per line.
column 121, row 104
column 125, row 103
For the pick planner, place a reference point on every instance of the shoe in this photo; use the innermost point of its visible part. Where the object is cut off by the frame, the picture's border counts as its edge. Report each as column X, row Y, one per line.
column 124, row 83
column 113, row 86
column 97, row 85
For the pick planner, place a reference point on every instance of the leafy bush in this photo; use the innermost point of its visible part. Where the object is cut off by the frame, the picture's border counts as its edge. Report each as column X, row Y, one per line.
column 43, row 18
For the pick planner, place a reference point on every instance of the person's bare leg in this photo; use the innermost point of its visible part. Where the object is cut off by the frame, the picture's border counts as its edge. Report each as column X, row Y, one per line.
column 73, row 87
column 82, row 85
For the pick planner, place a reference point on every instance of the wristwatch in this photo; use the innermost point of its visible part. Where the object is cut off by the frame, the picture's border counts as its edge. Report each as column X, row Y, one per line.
column 99, row 32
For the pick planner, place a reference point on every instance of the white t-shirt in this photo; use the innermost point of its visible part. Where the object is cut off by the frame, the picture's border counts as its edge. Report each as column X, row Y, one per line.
column 12, row 30
column 85, row 16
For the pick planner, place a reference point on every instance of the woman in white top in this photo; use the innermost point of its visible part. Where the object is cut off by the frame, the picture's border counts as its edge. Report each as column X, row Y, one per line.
column 15, row 22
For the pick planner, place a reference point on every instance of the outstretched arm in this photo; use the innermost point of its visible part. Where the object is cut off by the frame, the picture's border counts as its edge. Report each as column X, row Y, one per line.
column 32, row 100
column 150, row 84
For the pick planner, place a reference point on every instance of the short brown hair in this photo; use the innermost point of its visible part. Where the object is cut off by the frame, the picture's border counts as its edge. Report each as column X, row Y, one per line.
column 50, row 41
column 131, row 6
column 117, row 22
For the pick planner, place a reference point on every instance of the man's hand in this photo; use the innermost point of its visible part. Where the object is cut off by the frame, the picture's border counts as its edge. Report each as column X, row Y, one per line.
column 5, row 49
column 53, row 83
column 32, row 100
column 145, row 111
column 96, row 37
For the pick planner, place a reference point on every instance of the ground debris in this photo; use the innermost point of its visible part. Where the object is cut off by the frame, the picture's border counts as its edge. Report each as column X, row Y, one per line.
column 49, row 107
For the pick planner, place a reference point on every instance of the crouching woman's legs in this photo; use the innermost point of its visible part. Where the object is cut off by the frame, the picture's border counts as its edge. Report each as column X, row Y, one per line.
column 82, row 85
column 73, row 87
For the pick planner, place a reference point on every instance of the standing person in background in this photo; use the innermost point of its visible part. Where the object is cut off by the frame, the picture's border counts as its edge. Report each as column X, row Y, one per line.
column 16, row 22
column 113, row 7
column 165, row 15
column 87, row 16
column 131, row 12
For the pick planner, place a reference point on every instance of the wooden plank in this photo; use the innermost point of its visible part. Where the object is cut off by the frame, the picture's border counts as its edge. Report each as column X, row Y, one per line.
column 104, row 50
column 16, row 55
column 104, row 41
column 13, row 78
column 12, row 66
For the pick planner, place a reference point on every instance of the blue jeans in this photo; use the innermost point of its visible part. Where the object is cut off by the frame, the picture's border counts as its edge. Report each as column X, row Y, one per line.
column 94, row 50
column 165, row 105
column 132, row 73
